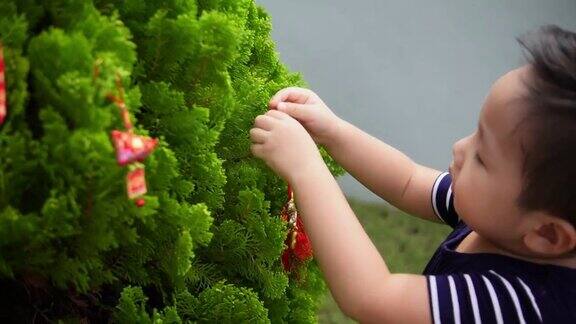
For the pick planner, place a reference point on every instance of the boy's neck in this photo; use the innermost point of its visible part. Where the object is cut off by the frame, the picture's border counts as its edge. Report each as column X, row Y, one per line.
column 474, row 243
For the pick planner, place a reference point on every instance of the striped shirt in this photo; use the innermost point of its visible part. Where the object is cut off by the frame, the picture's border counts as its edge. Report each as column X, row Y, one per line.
column 492, row 288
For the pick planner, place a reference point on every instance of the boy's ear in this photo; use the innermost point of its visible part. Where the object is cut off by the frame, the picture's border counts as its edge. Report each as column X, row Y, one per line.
column 550, row 236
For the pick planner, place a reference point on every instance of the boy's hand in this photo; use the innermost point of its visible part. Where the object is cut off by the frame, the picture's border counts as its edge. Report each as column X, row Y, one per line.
column 310, row 110
column 284, row 145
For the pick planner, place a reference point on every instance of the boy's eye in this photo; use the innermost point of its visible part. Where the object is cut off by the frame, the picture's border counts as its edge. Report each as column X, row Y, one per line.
column 479, row 159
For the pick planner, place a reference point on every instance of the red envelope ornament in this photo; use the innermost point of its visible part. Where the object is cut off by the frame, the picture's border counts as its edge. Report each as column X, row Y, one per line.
column 130, row 148
column 136, row 182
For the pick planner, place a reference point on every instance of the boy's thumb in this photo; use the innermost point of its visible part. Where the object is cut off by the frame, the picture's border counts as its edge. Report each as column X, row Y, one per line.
column 295, row 110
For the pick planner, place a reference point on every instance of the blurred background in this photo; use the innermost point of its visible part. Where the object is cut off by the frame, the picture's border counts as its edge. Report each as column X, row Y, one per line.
column 413, row 73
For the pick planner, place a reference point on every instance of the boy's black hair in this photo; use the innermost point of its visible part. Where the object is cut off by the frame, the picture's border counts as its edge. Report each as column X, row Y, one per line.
column 549, row 169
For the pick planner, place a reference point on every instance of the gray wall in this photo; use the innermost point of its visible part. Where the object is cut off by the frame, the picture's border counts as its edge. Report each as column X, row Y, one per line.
column 412, row 73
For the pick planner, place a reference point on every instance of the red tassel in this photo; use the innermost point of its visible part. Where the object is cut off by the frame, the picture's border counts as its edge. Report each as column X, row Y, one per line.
column 302, row 249
column 299, row 247
column 286, row 261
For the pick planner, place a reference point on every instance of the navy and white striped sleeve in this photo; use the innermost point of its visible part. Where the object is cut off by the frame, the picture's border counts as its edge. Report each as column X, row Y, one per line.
column 443, row 200
column 476, row 298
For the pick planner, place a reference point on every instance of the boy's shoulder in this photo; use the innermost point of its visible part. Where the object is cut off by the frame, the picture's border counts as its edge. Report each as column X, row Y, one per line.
column 497, row 287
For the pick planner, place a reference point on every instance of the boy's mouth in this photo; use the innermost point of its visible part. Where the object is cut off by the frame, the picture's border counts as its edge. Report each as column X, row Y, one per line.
column 452, row 175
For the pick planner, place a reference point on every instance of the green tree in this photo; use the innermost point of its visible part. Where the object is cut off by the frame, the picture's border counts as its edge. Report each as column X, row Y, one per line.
column 206, row 246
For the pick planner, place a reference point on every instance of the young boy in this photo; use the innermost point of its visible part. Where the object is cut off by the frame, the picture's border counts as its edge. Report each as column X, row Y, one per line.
column 510, row 197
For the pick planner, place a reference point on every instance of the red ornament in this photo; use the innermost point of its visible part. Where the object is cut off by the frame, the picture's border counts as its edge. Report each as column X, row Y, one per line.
column 136, row 182
column 131, row 148
column 287, row 261
column 299, row 247
column 3, row 109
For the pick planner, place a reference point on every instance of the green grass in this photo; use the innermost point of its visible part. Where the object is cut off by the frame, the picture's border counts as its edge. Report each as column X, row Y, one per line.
column 405, row 242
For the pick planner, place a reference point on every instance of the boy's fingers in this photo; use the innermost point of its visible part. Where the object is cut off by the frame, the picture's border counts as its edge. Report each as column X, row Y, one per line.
column 257, row 150
column 258, row 135
column 276, row 114
column 295, row 110
column 292, row 94
column 264, row 122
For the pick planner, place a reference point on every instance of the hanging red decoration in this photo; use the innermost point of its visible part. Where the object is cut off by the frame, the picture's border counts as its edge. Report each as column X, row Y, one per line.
column 3, row 105
column 301, row 245
column 130, row 148
column 299, row 248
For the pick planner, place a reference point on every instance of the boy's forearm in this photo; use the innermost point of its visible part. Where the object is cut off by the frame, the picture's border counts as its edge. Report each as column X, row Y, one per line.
column 350, row 262
column 380, row 167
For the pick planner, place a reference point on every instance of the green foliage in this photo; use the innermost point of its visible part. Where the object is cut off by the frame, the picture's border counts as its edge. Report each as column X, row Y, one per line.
column 132, row 309
column 222, row 303
column 206, row 246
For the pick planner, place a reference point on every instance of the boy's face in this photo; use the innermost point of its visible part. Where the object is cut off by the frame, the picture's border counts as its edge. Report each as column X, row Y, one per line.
column 486, row 168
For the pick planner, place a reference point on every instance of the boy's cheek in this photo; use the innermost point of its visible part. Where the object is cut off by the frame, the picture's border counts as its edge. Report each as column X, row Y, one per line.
column 468, row 200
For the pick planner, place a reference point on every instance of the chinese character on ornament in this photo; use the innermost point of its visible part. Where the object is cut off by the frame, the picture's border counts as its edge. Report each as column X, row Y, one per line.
column 136, row 183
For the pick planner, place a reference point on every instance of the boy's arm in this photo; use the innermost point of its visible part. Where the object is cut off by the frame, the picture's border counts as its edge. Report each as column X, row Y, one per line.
column 384, row 170
column 357, row 275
